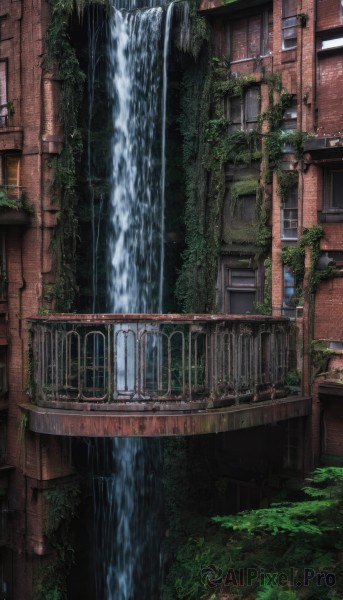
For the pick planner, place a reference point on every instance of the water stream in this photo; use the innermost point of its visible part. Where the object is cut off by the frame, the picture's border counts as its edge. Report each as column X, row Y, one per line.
column 126, row 486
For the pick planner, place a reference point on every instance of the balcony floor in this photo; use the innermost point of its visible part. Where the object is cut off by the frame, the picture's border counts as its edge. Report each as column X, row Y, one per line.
column 158, row 423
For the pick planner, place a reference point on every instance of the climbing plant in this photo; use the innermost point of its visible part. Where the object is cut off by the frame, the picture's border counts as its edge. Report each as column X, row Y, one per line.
column 207, row 148
column 60, row 509
column 294, row 256
column 61, row 58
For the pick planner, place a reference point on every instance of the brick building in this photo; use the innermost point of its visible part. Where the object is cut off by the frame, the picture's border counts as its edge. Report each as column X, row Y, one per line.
column 302, row 44
column 290, row 53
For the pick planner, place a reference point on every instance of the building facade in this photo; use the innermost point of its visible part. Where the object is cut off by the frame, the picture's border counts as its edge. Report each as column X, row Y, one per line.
column 279, row 68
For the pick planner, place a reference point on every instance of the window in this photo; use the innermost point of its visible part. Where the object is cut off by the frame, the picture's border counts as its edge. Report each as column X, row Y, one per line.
column 251, row 37
column 3, row 93
column 242, row 114
column 332, row 43
column 241, row 291
column 289, row 24
column 289, row 296
column 10, row 175
column 333, row 195
column 247, row 206
column 289, row 121
column 289, row 215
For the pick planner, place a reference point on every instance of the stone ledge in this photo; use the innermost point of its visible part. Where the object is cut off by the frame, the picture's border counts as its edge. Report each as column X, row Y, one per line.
column 105, row 424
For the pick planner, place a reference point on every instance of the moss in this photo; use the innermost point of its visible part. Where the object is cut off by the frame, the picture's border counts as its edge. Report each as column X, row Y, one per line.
column 320, row 356
column 265, row 307
column 204, row 190
column 61, row 57
column 60, row 509
column 243, row 188
column 294, row 256
column 286, row 182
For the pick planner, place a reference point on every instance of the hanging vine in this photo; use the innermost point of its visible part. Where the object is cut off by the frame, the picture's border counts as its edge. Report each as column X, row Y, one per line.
column 61, row 58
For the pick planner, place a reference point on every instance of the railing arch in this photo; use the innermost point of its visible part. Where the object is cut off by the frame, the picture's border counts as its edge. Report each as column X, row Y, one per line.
column 158, row 358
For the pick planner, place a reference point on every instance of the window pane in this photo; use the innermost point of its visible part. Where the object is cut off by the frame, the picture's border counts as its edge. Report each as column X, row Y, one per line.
column 289, row 121
column 242, row 303
column 289, row 215
column 333, row 43
column 288, row 286
column 242, row 278
column 235, row 114
column 12, row 170
column 291, row 200
column 289, row 33
column 248, row 208
column 3, row 92
column 251, row 107
column 337, row 189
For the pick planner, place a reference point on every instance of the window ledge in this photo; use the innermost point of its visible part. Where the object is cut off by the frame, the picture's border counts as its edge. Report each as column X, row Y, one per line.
column 330, row 216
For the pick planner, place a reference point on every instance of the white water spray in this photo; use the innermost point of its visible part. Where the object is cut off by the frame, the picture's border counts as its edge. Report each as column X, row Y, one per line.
column 126, row 488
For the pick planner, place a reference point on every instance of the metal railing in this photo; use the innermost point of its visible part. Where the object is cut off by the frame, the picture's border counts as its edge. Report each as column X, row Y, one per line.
column 128, row 358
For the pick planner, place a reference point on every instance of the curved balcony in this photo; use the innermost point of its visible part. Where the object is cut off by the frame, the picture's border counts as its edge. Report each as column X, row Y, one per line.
column 105, row 375
column 142, row 359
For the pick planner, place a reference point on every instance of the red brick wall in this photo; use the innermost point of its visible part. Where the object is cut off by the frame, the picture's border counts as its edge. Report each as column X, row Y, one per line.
column 29, row 263
column 329, row 95
column 328, row 321
column 328, row 14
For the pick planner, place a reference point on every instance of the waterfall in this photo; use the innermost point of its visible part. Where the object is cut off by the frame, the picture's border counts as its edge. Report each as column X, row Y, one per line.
column 135, row 206
column 126, row 486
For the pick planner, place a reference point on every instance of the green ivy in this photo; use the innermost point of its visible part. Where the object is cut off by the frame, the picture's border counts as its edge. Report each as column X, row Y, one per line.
column 320, row 356
column 294, row 256
column 287, row 180
column 61, row 57
column 265, row 307
column 60, row 509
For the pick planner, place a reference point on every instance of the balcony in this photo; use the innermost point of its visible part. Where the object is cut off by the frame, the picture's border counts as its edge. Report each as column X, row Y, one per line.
column 110, row 374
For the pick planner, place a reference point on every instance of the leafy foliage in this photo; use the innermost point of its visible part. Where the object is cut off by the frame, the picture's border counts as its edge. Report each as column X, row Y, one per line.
column 286, row 538
column 61, row 57
column 60, row 509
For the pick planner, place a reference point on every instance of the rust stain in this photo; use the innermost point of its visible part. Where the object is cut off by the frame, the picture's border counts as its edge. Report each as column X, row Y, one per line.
column 106, row 424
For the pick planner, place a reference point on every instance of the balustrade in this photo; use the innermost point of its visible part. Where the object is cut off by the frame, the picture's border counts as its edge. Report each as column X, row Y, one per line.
column 149, row 358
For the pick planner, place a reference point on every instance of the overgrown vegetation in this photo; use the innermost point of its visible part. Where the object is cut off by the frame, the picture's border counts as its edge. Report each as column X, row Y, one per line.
column 294, row 256
column 61, row 58
column 291, row 550
column 207, row 148
column 265, row 307
column 320, row 356
column 60, row 509
column 204, row 190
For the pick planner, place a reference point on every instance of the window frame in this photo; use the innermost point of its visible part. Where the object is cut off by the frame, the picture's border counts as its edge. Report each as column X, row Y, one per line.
column 289, row 22
column 289, row 121
column 235, row 287
column 288, row 307
column 4, row 94
column 328, row 207
column 286, row 213
column 246, row 119
column 13, row 190
column 264, row 49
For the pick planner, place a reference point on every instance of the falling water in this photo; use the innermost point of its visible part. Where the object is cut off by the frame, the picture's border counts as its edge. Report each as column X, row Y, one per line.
column 126, row 488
